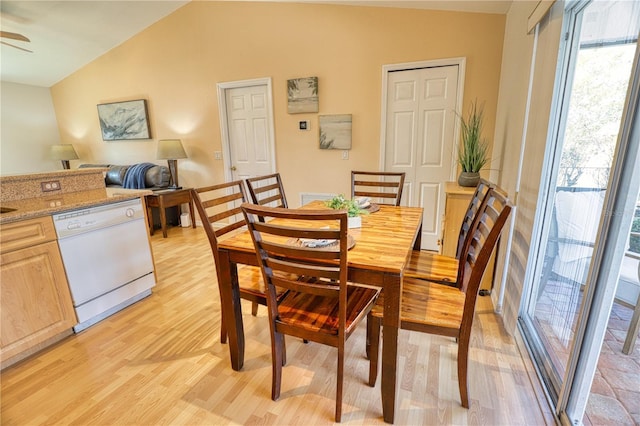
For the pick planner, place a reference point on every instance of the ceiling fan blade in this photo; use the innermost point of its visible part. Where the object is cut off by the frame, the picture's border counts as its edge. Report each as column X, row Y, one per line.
column 17, row 47
column 14, row 36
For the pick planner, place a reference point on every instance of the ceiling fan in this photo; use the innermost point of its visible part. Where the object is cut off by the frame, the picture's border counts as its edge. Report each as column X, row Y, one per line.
column 14, row 36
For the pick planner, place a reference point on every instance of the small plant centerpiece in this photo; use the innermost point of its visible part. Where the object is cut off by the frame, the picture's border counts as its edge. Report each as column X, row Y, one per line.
column 339, row 202
column 473, row 152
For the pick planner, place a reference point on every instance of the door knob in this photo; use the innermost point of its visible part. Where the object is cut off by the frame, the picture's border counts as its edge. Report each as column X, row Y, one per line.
column 233, row 168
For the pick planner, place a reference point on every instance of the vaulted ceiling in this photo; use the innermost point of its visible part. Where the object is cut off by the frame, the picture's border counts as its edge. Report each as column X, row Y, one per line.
column 66, row 35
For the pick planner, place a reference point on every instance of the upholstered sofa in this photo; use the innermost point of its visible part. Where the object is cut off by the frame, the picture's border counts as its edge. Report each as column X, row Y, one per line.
column 136, row 176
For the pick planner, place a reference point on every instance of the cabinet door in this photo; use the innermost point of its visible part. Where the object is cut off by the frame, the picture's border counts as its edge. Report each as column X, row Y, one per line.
column 456, row 206
column 36, row 302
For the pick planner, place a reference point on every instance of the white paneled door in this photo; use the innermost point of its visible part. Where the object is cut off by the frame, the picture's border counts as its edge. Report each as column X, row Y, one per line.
column 419, row 139
column 249, row 129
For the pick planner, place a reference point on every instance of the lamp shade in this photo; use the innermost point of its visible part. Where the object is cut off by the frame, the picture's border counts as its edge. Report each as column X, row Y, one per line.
column 170, row 149
column 63, row 152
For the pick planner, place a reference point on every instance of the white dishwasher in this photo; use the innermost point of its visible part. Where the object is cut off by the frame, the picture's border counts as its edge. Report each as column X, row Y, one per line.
column 107, row 258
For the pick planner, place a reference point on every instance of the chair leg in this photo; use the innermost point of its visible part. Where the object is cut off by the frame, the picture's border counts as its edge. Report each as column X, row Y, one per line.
column 373, row 331
column 276, row 364
column 223, row 329
column 339, row 383
column 367, row 345
column 463, row 359
column 254, row 309
column 284, row 351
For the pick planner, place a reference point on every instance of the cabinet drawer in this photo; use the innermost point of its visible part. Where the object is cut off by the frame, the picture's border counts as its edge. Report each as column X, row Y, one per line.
column 26, row 233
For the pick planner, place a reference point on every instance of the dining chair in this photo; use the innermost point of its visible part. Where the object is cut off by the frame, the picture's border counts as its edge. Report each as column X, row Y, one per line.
column 430, row 266
column 267, row 190
column 387, row 186
column 443, row 310
column 219, row 210
column 320, row 306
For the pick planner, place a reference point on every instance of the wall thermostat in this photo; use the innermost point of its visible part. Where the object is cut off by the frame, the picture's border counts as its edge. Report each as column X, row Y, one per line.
column 304, row 125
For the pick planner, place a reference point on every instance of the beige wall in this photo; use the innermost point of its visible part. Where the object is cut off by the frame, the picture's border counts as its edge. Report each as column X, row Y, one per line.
column 28, row 130
column 176, row 63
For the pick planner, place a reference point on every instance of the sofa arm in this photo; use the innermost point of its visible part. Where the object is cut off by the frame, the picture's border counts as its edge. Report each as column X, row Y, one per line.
column 115, row 175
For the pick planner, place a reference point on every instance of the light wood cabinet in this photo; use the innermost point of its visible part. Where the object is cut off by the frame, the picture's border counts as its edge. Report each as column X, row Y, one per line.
column 35, row 301
column 457, row 199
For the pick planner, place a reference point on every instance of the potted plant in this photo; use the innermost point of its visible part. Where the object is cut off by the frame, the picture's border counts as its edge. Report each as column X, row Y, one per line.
column 473, row 152
column 339, row 202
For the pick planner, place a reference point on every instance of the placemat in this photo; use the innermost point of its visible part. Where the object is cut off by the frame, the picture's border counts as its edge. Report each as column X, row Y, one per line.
column 351, row 242
column 372, row 208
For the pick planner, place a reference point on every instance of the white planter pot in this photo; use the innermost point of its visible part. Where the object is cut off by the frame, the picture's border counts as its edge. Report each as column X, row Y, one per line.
column 355, row 222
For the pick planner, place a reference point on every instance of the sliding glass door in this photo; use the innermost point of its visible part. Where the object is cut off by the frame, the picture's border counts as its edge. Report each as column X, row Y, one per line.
column 592, row 97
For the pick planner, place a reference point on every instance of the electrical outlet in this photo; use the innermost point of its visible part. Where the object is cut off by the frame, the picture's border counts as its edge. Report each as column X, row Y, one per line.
column 217, row 155
column 345, row 155
column 52, row 185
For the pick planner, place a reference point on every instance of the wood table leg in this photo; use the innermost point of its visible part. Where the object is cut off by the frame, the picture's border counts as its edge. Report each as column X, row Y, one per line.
column 417, row 244
column 231, row 309
column 391, row 324
column 163, row 217
column 150, row 219
column 193, row 218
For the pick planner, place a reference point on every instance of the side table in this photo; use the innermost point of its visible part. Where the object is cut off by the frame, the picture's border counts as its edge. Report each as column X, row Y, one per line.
column 168, row 198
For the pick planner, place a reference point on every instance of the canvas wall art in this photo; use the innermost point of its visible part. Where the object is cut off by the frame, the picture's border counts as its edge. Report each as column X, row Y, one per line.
column 335, row 131
column 124, row 120
column 302, row 95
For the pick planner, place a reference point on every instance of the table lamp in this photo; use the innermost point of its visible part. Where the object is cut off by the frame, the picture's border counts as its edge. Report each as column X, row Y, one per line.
column 171, row 150
column 64, row 153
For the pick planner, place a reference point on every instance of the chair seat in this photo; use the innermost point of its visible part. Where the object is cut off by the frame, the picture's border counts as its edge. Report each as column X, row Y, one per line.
column 427, row 304
column 320, row 314
column 432, row 267
column 252, row 285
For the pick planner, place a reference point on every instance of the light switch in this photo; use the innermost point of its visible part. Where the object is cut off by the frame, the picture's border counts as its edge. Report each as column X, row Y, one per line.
column 345, row 155
column 217, row 155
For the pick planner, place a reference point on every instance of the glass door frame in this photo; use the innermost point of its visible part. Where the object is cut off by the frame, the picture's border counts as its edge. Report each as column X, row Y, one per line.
column 609, row 250
column 567, row 56
column 569, row 395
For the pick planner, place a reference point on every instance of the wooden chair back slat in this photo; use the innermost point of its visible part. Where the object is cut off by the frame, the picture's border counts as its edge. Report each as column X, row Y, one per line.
column 286, row 249
column 220, row 200
column 376, row 183
column 218, row 217
column 228, row 228
column 362, row 183
column 312, row 288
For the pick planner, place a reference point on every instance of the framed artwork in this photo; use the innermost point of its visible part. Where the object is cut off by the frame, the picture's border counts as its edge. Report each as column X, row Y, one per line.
column 335, row 131
column 302, row 95
column 124, row 120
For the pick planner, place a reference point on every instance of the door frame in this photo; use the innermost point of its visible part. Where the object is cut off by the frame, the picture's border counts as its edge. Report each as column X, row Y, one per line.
column 224, row 123
column 406, row 66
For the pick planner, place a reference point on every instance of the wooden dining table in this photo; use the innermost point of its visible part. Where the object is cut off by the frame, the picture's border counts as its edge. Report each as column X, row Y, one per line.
column 382, row 248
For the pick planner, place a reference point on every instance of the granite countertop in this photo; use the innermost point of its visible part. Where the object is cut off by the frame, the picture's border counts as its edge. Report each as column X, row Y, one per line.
column 30, row 208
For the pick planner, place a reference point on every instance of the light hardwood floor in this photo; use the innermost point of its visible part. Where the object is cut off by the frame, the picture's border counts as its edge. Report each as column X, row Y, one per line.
column 160, row 361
